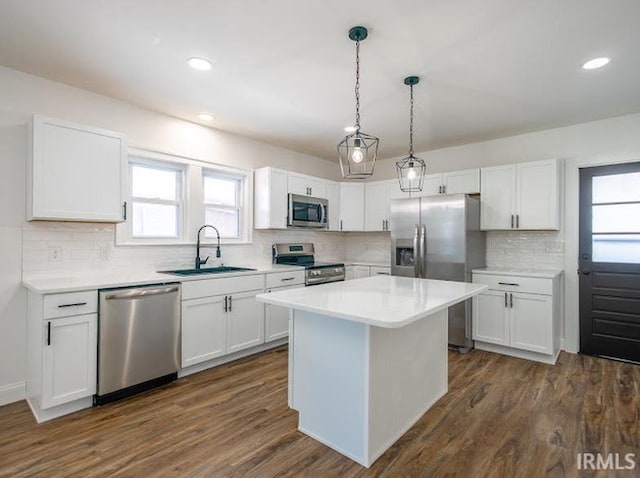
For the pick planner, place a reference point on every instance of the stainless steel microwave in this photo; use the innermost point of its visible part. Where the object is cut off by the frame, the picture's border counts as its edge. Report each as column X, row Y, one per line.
column 307, row 211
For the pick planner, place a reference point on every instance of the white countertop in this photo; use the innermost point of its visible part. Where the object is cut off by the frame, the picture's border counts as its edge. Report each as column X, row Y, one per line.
column 89, row 280
column 541, row 273
column 383, row 301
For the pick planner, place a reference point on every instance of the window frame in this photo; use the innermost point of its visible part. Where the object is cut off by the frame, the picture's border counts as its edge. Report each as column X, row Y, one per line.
column 179, row 202
column 214, row 173
column 192, row 212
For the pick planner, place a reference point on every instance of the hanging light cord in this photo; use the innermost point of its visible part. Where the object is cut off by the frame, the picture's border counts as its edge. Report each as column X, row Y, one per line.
column 357, row 88
column 411, row 124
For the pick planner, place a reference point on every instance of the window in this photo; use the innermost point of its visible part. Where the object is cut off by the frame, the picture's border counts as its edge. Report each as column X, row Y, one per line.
column 156, row 200
column 170, row 197
column 616, row 218
column 222, row 204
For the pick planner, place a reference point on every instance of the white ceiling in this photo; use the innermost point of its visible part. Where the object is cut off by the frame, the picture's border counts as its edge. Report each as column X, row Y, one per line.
column 284, row 69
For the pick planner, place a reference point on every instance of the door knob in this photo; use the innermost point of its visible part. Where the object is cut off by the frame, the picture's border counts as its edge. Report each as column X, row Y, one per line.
column 585, row 272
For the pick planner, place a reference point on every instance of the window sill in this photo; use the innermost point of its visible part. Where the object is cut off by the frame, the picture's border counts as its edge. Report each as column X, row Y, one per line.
column 207, row 243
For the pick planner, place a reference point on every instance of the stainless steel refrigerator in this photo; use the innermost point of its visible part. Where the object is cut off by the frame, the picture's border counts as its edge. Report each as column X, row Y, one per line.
column 439, row 237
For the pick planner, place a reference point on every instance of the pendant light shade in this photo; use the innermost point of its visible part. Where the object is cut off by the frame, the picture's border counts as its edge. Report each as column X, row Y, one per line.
column 411, row 170
column 358, row 151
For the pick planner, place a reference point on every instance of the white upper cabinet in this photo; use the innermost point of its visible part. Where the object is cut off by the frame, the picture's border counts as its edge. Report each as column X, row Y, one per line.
column 431, row 186
column 394, row 190
column 351, row 206
column 307, row 185
column 74, row 172
column 270, row 199
column 538, row 195
column 521, row 196
column 333, row 196
column 376, row 206
column 465, row 181
column 454, row 182
column 497, row 199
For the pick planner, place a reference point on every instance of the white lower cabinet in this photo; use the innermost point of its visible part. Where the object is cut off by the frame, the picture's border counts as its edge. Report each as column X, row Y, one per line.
column 276, row 319
column 204, row 330
column 245, row 324
column 216, row 325
column 62, row 345
column 69, row 359
column 362, row 271
column 518, row 315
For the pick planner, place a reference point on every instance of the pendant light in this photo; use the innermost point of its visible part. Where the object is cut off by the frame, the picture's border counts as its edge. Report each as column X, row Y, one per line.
column 358, row 151
column 411, row 170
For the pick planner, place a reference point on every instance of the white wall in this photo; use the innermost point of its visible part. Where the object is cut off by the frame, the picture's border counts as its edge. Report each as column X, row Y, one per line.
column 92, row 245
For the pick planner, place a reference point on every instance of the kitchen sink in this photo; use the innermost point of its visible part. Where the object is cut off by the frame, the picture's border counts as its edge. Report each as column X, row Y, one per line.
column 206, row 270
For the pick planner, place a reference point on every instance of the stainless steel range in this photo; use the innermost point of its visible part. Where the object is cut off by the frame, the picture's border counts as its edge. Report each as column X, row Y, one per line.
column 302, row 255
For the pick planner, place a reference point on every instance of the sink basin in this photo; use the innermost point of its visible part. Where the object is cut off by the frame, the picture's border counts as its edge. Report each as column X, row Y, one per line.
column 206, row 270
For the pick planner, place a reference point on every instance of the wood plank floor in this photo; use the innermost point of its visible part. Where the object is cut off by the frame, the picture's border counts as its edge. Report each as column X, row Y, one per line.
column 502, row 417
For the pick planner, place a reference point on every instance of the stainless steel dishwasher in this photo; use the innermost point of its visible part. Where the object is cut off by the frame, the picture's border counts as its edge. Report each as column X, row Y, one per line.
column 138, row 340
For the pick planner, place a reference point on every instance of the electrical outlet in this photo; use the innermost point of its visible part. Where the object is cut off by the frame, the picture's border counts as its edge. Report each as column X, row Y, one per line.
column 55, row 253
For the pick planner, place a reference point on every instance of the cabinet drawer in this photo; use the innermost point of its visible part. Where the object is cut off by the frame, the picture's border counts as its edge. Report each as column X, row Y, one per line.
column 532, row 285
column 228, row 285
column 279, row 279
column 71, row 303
column 377, row 270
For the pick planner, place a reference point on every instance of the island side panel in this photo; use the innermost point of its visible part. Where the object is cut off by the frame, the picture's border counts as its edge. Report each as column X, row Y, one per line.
column 329, row 381
column 408, row 374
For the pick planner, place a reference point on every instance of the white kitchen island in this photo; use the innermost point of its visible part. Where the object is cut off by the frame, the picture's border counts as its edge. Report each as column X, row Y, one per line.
column 367, row 357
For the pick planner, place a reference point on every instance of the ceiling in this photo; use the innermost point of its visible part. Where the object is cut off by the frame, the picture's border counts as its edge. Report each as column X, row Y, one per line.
column 284, row 69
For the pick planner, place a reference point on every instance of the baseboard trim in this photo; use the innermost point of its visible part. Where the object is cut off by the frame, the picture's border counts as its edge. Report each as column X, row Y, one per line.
column 14, row 392
column 231, row 357
column 523, row 354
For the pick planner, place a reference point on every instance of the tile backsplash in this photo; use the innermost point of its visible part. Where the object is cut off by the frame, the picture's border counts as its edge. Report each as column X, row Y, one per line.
column 505, row 249
column 54, row 248
column 51, row 248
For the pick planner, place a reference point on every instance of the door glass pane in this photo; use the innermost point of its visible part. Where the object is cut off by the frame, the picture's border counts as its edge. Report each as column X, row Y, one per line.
column 616, row 188
column 616, row 218
column 153, row 183
column 220, row 191
column 616, row 248
column 225, row 220
column 154, row 220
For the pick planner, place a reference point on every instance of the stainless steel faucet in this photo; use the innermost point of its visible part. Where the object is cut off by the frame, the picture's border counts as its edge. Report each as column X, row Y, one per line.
column 199, row 261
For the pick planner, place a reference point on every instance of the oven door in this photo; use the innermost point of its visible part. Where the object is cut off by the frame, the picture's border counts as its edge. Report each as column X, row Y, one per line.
column 305, row 211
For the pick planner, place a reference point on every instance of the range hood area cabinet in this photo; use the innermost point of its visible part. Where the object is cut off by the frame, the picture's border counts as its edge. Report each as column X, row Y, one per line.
column 272, row 187
column 523, row 196
column 74, row 172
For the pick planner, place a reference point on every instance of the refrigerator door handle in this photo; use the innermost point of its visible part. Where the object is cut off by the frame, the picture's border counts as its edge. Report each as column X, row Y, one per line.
column 416, row 253
column 423, row 252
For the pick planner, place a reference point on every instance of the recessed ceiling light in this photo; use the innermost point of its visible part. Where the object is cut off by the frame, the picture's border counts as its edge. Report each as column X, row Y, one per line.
column 200, row 64
column 205, row 116
column 350, row 129
column 596, row 63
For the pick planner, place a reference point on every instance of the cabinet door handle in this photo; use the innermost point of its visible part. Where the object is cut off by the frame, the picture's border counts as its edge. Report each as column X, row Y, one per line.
column 511, row 300
column 517, row 221
column 124, row 211
column 49, row 333
column 310, row 191
column 286, row 279
column 230, row 303
column 444, row 189
column 77, row 304
column 506, row 298
column 509, row 283
column 512, row 221
column 341, row 224
column 226, row 303
column 439, row 189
